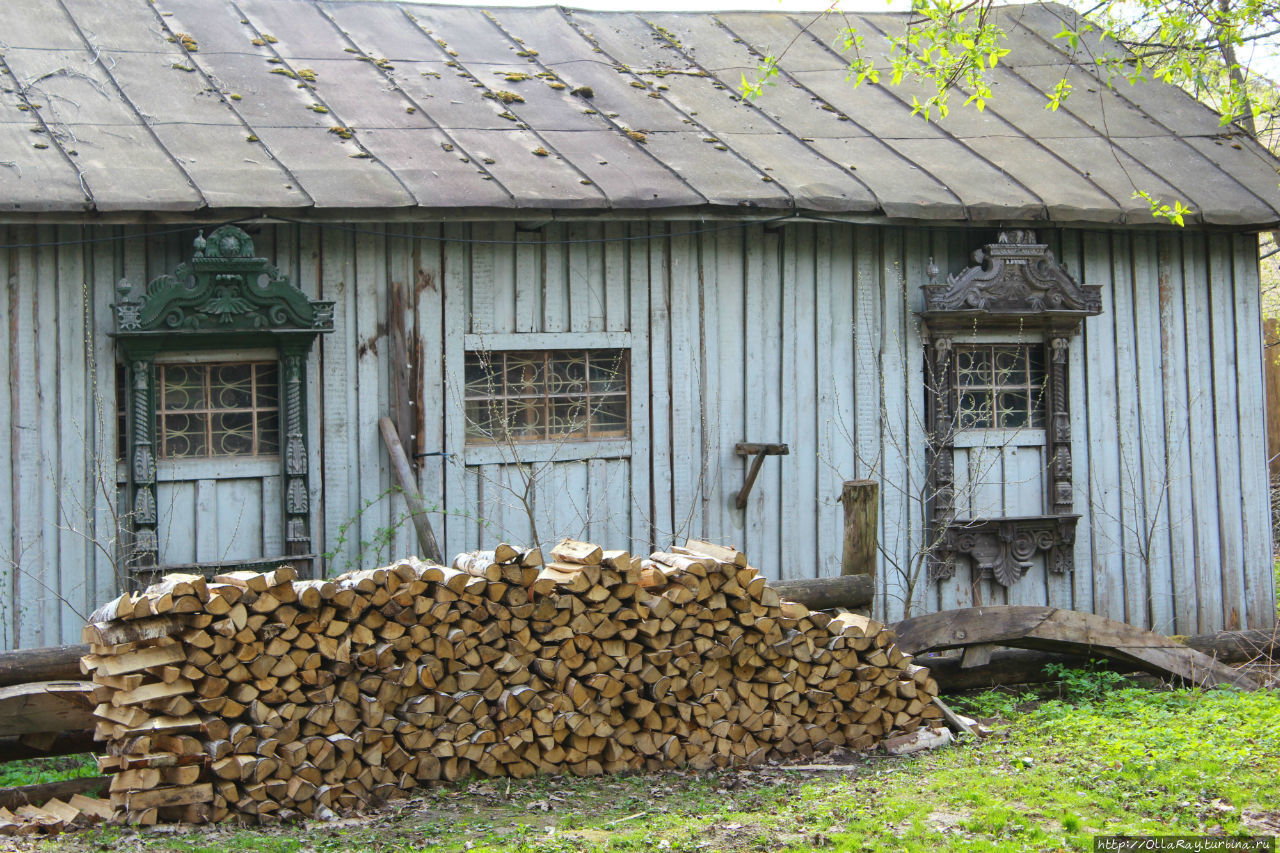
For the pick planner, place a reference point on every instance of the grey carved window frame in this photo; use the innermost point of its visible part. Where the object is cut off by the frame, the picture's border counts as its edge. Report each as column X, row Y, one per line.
column 223, row 298
column 1014, row 286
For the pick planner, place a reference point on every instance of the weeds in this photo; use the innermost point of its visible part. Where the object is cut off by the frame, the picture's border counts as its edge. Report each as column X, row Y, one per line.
column 39, row 771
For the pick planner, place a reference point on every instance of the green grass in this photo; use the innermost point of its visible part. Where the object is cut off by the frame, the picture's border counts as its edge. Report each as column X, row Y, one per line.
column 38, row 771
column 1094, row 755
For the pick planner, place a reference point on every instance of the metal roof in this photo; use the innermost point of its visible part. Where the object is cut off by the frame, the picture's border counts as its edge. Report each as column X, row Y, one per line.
column 291, row 106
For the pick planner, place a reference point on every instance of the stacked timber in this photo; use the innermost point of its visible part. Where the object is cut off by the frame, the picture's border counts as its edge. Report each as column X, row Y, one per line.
column 262, row 697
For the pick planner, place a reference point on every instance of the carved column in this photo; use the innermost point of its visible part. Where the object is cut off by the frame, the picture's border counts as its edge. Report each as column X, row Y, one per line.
column 297, row 493
column 941, row 474
column 1061, row 498
column 144, row 546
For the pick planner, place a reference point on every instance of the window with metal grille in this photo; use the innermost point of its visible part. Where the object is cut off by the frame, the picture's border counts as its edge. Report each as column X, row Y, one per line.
column 547, row 395
column 218, row 409
column 1000, row 386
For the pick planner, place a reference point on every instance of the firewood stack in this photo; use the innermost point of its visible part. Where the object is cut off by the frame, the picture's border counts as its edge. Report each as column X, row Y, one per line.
column 261, row 696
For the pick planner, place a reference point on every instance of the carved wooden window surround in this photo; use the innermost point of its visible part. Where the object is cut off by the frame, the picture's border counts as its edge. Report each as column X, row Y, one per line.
column 1017, row 289
column 223, row 299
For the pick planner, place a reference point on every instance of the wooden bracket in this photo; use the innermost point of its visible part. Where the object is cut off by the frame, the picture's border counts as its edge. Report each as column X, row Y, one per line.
column 759, row 451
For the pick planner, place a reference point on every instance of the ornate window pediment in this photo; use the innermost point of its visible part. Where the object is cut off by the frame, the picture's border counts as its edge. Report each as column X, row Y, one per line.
column 1015, row 277
column 1015, row 287
column 222, row 288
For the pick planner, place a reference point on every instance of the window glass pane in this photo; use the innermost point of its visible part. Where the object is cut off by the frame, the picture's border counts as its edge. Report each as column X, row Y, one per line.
column 218, row 409
column 231, row 386
column 548, row 395
column 232, row 434
column 268, row 433
column 181, row 387
column 1000, row 386
column 266, row 386
column 525, row 374
column 184, row 436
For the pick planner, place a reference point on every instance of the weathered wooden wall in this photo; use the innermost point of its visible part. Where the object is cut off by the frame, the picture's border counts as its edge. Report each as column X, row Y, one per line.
column 802, row 333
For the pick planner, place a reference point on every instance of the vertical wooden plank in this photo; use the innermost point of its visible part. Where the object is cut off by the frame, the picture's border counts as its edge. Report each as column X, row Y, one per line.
column 177, row 519
column 340, row 464
column 578, row 278
column 617, row 273
column 1135, row 568
column 1204, row 485
column 720, row 341
column 768, row 396
column 479, row 300
column 35, row 327
column 457, row 277
column 687, row 377
column 207, row 528
column 108, row 573
column 1226, row 435
column 501, row 282
column 1175, row 411
column 555, row 286
column 805, row 404
column 592, row 274
column 369, row 399
column 528, row 282
column 758, row 378
column 832, row 322
column 904, row 259
column 1259, row 581
column 426, row 275
column 239, row 514
column 1101, row 407
column 600, row 512
column 272, row 532
column 74, row 439
column 1153, row 537
column 9, row 507
column 662, row 464
column 640, row 499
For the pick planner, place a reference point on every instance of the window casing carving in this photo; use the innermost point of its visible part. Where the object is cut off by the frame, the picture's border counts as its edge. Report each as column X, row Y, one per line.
column 223, row 299
column 1027, row 308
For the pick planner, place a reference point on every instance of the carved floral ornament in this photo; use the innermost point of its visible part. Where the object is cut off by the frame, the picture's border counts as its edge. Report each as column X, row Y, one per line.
column 1014, row 284
column 222, row 298
column 222, row 288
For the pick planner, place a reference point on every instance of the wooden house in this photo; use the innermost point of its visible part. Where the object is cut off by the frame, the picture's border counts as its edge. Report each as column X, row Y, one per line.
column 578, row 271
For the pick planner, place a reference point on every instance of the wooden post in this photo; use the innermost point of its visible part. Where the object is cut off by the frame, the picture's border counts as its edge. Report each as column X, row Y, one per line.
column 861, row 499
column 404, row 475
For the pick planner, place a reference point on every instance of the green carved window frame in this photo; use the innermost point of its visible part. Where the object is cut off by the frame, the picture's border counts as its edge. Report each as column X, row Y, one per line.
column 224, row 299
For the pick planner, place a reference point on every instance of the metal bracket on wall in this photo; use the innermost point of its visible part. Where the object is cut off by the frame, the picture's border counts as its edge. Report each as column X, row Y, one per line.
column 759, row 451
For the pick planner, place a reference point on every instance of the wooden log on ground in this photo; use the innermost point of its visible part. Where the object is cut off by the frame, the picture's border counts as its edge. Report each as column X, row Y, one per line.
column 34, row 795
column 54, row 663
column 1008, row 667
column 1054, row 630
column 849, row 591
column 60, row 743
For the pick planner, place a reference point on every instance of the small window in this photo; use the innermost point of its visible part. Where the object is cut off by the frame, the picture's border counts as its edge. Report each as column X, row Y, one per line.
column 218, row 409
column 550, row 395
column 1000, row 386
